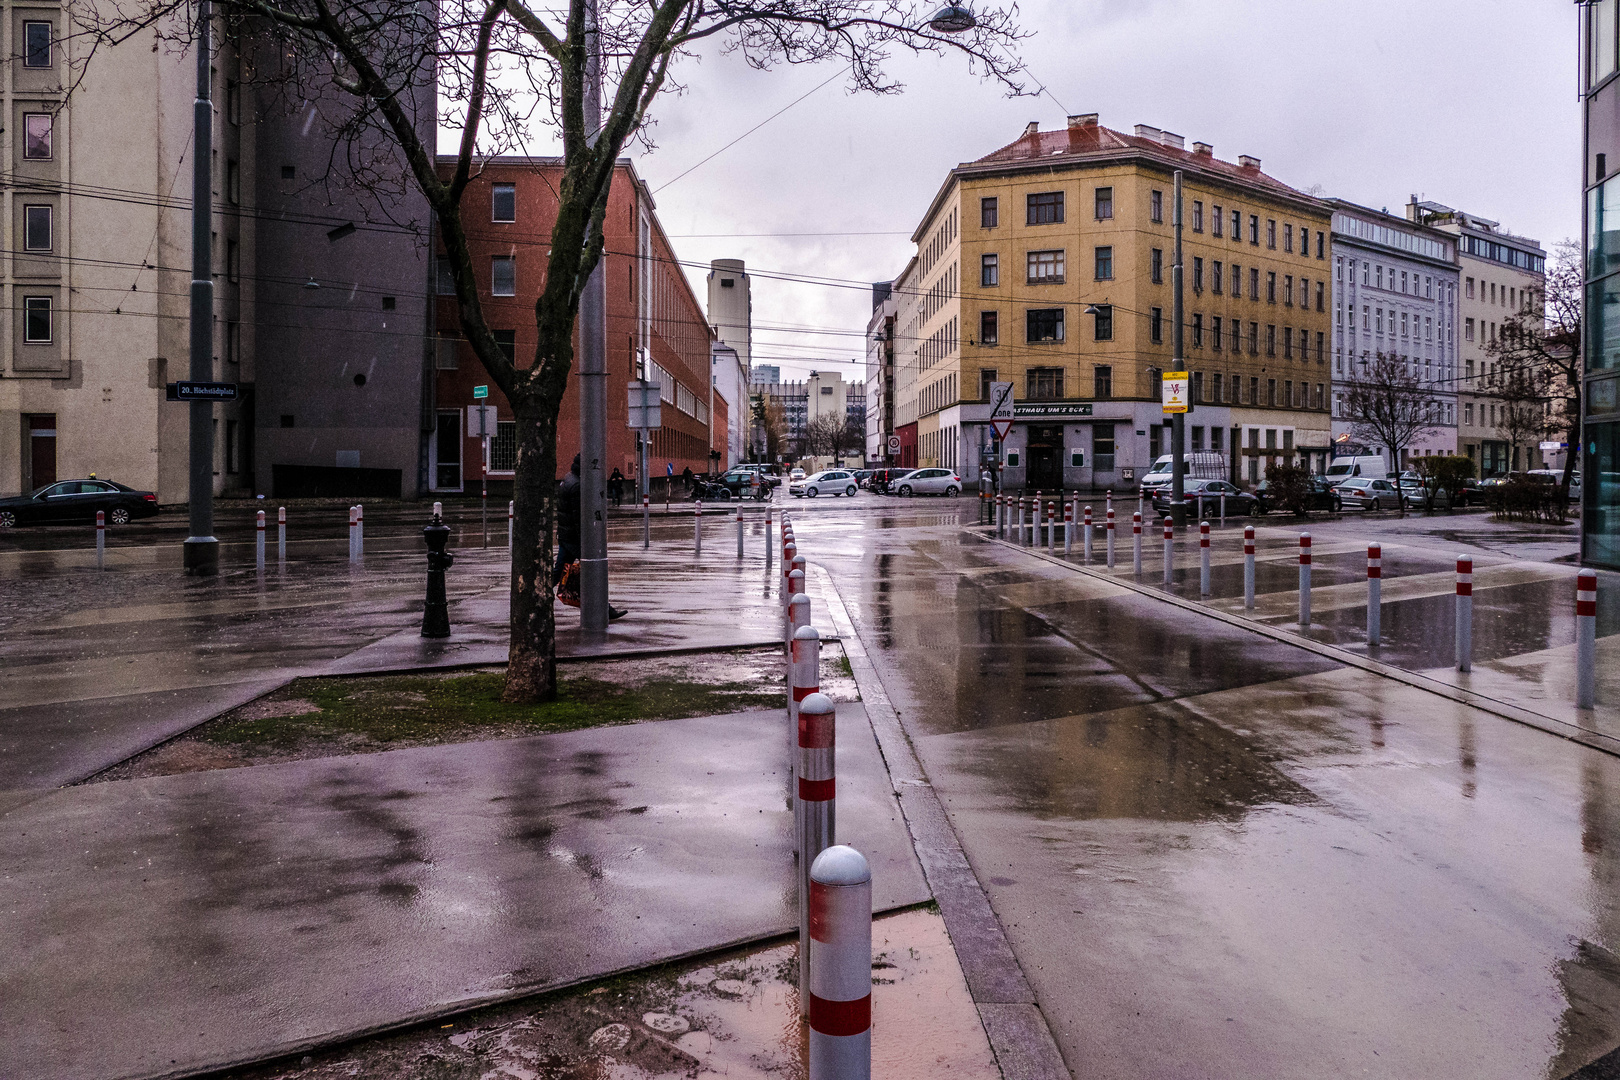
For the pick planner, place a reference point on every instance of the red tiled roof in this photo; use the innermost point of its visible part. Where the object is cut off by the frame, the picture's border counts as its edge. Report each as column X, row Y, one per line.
column 1096, row 139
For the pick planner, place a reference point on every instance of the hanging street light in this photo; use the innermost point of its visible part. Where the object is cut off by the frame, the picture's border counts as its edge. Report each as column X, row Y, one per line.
column 952, row 19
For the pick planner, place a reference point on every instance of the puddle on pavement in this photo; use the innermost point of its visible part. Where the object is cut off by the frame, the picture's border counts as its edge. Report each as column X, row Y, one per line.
column 734, row 1017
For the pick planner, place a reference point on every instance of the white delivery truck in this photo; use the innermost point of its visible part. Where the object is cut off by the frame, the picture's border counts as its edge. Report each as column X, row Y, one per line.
column 1200, row 465
column 1371, row 466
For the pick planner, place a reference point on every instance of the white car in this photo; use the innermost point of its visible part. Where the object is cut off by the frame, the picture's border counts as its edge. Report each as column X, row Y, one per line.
column 929, row 482
column 1370, row 493
column 831, row 481
column 796, row 474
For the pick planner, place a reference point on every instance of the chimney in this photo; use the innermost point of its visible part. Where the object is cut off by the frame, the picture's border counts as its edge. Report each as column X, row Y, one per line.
column 1083, row 120
column 1031, row 128
column 1203, row 148
column 1174, row 141
column 1148, row 131
column 1247, row 162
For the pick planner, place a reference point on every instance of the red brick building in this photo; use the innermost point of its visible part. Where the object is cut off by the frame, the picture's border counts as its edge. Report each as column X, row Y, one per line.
column 655, row 329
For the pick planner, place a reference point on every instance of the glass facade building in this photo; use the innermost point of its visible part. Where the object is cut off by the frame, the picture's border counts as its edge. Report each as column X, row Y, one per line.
column 1600, row 402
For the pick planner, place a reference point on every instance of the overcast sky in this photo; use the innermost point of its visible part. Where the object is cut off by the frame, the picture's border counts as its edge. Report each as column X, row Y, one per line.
column 1471, row 103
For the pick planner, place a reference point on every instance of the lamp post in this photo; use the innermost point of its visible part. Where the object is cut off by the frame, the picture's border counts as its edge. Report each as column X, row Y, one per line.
column 200, row 553
column 1178, row 421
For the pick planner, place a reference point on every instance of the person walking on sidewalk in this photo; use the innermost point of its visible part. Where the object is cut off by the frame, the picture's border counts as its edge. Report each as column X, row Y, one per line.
column 616, row 486
column 565, row 573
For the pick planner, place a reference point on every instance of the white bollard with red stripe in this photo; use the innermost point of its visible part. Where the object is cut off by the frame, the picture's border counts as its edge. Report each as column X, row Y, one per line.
column 1203, row 558
column 101, row 539
column 1375, row 590
column 1086, row 535
column 804, row 670
column 814, row 797
column 1136, row 542
column 1068, row 528
column 360, row 530
column 354, row 533
column 1248, row 568
column 1110, row 531
column 646, row 521
column 798, row 609
column 789, row 550
column 1465, row 613
column 697, row 527
column 1051, row 528
column 1586, row 639
column 1169, row 551
column 840, row 991
column 281, row 533
column 259, row 544
column 1305, row 579
column 1020, row 523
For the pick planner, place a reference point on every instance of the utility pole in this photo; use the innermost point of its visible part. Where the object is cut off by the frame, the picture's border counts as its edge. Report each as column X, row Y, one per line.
column 200, row 554
column 1178, row 423
column 593, row 567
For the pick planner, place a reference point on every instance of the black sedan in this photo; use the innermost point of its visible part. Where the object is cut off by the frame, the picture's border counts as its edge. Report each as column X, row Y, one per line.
column 1320, row 497
column 76, row 501
column 1239, row 503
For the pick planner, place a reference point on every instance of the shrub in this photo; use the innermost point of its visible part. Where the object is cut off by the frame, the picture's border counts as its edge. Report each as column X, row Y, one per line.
column 1290, row 487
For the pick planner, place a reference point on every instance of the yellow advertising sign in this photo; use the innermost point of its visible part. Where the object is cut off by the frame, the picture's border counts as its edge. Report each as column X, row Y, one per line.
column 1173, row 387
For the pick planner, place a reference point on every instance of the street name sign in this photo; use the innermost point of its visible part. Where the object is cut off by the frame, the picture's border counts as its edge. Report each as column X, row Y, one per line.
column 202, row 391
column 480, row 392
column 1173, row 386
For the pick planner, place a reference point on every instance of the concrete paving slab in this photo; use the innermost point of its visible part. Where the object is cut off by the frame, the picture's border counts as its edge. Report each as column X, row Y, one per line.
column 185, row 922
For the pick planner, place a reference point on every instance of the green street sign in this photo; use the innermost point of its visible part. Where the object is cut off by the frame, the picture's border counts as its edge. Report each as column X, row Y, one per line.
column 480, row 392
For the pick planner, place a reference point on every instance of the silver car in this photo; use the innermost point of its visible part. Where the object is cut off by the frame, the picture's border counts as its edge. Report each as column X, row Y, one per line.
column 831, row 481
column 1367, row 494
column 929, row 482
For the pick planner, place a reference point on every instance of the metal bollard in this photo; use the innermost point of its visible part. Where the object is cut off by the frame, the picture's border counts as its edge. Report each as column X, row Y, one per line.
column 646, row 521
column 354, row 533
column 281, row 533
column 511, row 515
column 804, row 669
column 101, row 539
column 1068, row 528
column 1169, row 554
column 1035, row 521
column 1136, row 543
column 697, row 527
column 360, row 530
column 1223, row 509
column 1375, row 589
column 1110, row 531
column 840, row 953
column 815, row 789
column 1305, row 579
column 1086, row 535
column 1248, row 568
column 1203, row 558
column 1465, row 613
column 739, row 531
column 259, row 530
column 789, row 552
column 436, row 610
column 1586, row 639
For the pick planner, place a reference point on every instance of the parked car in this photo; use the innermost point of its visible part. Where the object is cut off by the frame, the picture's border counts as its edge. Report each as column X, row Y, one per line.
column 929, row 482
column 1198, row 465
column 1556, row 477
column 77, row 501
column 796, row 474
column 882, row 481
column 1321, row 496
column 1238, row 502
column 1367, row 493
column 736, row 484
column 863, row 478
column 770, row 474
column 830, row 482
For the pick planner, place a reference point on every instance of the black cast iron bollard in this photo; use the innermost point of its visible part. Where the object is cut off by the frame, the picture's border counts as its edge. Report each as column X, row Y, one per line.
column 436, row 611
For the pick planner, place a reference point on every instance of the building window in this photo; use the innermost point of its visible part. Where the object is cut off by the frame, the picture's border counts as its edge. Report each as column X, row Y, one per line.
column 1198, row 215
column 37, row 44
column 1156, row 265
column 1156, row 325
column 1254, row 339
column 1271, row 286
column 1155, row 205
column 1254, row 283
column 1045, row 267
column 1105, row 264
column 989, row 270
column 1215, row 278
column 233, row 261
column 1288, row 290
column 1288, row 239
column 37, row 228
column 503, row 448
column 1102, row 381
column 1288, row 393
column 1271, row 233
column 1271, row 394
column 1105, row 203
column 987, row 376
column 445, row 278
column 1468, row 289
column 1321, row 245
column 1198, row 274
column 1044, row 324
column 1215, row 220
column 1102, row 447
column 1215, row 391
column 1271, row 340
column 1288, row 343
column 1468, row 333
column 1043, row 384
column 1321, row 296
column 1104, row 329
column 503, row 276
column 37, row 136
column 1321, row 352
column 1216, row 332
column 1044, row 208
column 37, row 320
column 1254, row 229
column 1196, row 391
column 447, row 352
column 233, row 342
column 506, row 341
column 987, row 328
column 233, row 182
column 233, row 101
column 1198, row 331
column 1237, row 336
column 503, row 202
column 988, row 213
column 1237, row 226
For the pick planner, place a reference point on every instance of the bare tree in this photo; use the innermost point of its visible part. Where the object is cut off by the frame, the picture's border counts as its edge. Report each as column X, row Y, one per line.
column 1523, row 412
column 1388, row 403
column 832, row 434
column 503, row 69
column 1540, row 347
column 772, row 424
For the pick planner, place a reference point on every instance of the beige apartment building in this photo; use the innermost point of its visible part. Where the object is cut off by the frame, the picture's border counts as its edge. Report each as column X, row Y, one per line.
column 1047, row 264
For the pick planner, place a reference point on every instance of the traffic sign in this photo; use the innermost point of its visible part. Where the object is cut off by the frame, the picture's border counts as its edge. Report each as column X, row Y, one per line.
column 480, row 392
column 201, row 391
column 1002, row 428
column 1173, row 386
column 894, row 444
column 481, row 420
column 645, row 411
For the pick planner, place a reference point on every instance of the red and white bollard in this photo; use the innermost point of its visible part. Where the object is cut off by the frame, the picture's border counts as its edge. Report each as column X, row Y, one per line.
column 1586, row 639
column 1068, row 528
column 840, row 990
column 1169, row 551
column 1248, row 568
column 101, row 539
column 1051, row 528
column 1110, row 530
column 789, row 550
column 1465, row 613
column 1203, row 558
column 697, row 527
column 1136, row 543
column 281, row 533
column 1375, row 589
column 354, row 533
column 360, row 530
column 1086, row 534
column 804, row 670
column 1020, row 523
column 798, row 609
column 815, row 789
column 1305, row 579
column 259, row 543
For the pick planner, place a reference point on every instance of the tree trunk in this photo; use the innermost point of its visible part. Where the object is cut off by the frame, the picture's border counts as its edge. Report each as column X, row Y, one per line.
column 531, row 672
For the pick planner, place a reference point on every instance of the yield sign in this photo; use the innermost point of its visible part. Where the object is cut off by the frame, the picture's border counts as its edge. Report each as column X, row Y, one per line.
column 1002, row 427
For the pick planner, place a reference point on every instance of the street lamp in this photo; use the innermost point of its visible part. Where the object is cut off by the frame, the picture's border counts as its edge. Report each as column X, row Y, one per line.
column 952, row 19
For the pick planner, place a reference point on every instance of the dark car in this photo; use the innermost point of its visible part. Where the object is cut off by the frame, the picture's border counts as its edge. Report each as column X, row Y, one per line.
column 1238, row 502
column 736, row 484
column 1321, row 496
column 77, row 501
column 882, row 478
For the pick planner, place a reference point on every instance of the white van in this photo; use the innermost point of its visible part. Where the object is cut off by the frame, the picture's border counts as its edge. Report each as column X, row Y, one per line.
column 1200, row 465
column 1371, row 466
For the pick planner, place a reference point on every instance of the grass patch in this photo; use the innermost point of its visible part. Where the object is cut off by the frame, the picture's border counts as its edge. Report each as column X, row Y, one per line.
column 417, row 709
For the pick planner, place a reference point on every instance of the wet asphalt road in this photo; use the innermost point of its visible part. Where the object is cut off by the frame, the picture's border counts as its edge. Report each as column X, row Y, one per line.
column 1219, row 855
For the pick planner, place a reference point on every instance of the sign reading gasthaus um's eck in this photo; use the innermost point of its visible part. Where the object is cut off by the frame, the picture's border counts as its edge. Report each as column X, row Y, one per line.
column 1038, row 410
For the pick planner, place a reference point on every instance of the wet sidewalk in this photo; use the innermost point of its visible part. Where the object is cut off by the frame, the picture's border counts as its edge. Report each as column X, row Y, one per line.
column 184, row 922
